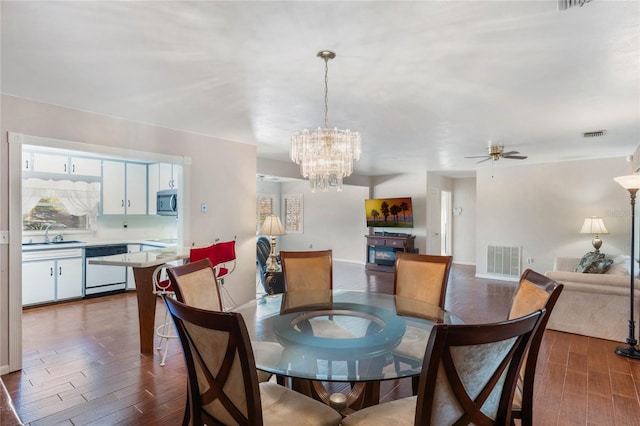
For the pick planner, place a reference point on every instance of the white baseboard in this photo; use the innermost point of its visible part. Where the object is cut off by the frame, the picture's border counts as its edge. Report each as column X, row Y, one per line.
column 498, row 277
column 464, row 263
column 4, row 369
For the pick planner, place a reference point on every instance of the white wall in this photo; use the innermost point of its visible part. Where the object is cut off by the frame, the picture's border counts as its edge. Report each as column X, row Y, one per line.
column 464, row 225
column 221, row 173
column 542, row 207
column 408, row 185
column 332, row 220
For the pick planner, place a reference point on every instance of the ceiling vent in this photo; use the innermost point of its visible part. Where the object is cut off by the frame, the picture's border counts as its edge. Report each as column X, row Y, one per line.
column 566, row 4
column 594, row 134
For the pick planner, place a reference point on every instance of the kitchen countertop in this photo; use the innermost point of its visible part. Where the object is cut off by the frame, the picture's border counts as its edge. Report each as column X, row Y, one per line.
column 82, row 244
column 143, row 259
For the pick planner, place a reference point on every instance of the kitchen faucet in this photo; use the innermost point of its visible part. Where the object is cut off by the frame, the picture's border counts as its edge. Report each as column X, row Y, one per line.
column 46, row 230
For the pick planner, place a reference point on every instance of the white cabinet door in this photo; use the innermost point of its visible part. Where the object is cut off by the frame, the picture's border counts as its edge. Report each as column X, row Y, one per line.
column 50, row 163
column 27, row 161
column 86, row 166
column 153, row 171
column 38, row 282
column 131, row 282
column 69, row 278
column 166, row 176
column 113, row 186
column 136, row 188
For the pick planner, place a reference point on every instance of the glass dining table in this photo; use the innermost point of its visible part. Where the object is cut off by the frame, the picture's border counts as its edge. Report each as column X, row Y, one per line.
column 354, row 337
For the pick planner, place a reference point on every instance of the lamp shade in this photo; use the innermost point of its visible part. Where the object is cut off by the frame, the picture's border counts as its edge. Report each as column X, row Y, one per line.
column 272, row 226
column 593, row 225
column 629, row 181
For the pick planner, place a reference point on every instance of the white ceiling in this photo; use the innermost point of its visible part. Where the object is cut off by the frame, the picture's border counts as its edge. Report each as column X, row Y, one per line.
column 426, row 83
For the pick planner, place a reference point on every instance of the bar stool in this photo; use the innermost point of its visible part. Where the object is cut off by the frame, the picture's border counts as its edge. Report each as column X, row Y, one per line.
column 165, row 331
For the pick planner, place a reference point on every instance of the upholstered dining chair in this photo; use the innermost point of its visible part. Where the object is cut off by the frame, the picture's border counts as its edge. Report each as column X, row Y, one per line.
column 468, row 376
column 421, row 276
column 418, row 277
column 222, row 383
column 195, row 284
column 534, row 291
column 307, row 270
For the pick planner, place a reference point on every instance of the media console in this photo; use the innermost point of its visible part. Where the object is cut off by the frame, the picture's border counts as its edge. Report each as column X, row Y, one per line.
column 381, row 250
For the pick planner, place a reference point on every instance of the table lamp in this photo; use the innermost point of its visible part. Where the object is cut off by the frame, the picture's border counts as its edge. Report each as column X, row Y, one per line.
column 594, row 225
column 272, row 227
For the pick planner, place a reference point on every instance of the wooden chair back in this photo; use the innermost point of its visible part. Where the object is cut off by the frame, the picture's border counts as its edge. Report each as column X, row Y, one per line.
column 422, row 277
column 469, row 371
column 535, row 291
column 222, row 381
column 195, row 284
column 307, row 270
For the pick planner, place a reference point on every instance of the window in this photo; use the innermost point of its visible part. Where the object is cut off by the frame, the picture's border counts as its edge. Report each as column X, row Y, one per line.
column 72, row 203
column 264, row 207
column 292, row 206
column 50, row 210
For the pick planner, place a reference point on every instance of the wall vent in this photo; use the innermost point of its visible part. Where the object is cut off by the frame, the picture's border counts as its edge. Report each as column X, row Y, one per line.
column 504, row 260
column 566, row 4
column 594, row 134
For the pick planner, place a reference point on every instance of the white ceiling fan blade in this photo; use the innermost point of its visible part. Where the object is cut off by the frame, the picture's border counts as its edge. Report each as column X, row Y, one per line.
column 515, row 157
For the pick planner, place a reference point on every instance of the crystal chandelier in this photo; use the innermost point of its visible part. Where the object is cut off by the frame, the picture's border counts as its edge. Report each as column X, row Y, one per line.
column 325, row 155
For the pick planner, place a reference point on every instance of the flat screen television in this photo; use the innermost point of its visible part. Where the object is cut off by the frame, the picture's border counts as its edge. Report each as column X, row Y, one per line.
column 389, row 212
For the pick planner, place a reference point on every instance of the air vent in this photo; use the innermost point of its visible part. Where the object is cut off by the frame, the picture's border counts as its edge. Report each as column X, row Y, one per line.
column 594, row 134
column 566, row 4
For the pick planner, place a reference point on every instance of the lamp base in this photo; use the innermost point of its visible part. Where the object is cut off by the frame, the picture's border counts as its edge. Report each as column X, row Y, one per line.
column 628, row 351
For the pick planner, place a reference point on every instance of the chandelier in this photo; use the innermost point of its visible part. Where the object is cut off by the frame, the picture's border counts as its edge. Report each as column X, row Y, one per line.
column 325, row 155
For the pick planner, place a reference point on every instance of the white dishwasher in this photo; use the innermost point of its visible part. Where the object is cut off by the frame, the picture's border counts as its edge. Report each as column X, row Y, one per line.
column 101, row 280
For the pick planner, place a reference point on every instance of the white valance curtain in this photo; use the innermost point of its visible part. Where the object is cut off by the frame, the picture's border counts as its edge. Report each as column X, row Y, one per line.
column 80, row 198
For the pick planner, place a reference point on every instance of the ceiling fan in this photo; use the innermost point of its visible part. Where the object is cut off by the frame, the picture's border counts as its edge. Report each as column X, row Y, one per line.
column 496, row 152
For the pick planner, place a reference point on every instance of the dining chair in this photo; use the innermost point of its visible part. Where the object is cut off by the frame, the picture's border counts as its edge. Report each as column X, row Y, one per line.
column 535, row 291
column 165, row 331
column 468, row 376
column 195, row 284
column 222, row 383
column 220, row 254
column 307, row 270
column 418, row 277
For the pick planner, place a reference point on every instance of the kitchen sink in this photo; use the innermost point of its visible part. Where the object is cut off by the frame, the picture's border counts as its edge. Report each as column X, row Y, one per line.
column 51, row 243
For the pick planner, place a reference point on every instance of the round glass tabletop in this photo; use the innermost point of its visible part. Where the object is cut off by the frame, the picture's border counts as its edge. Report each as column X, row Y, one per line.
column 349, row 336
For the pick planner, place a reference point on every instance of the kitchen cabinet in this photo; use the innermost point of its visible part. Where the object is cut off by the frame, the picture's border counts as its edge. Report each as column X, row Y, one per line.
column 51, row 275
column 45, row 162
column 85, row 166
column 162, row 176
column 27, row 161
column 124, row 188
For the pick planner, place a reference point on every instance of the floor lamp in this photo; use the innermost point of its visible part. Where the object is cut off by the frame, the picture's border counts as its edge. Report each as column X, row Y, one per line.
column 631, row 183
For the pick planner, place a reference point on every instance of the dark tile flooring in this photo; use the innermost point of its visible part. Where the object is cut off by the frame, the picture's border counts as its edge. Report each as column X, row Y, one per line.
column 82, row 365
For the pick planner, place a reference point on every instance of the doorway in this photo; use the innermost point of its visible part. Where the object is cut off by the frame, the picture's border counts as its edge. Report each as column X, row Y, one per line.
column 445, row 223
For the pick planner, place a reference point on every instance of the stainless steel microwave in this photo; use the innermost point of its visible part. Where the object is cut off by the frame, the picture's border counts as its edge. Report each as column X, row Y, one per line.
column 167, row 202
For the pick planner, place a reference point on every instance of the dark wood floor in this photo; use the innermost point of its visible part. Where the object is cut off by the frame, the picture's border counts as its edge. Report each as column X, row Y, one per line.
column 82, row 365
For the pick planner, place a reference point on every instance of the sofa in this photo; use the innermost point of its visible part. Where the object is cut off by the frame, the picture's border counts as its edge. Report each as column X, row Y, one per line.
column 276, row 282
column 595, row 305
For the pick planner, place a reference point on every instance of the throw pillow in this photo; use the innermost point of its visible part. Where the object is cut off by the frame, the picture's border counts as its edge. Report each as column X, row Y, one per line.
column 593, row 263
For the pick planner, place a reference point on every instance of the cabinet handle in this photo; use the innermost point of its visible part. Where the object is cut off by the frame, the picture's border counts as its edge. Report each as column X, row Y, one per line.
column 51, row 272
column 65, row 168
column 27, row 164
column 73, row 168
column 122, row 203
column 59, row 270
column 128, row 203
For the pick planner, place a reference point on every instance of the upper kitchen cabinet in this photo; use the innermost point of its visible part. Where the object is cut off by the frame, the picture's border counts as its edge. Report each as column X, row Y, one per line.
column 162, row 176
column 47, row 162
column 124, row 188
